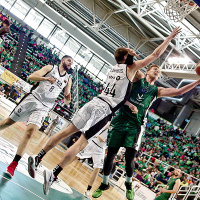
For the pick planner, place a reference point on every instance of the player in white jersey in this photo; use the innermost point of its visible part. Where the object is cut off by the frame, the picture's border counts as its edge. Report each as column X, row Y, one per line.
column 94, row 115
column 95, row 149
column 35, row 106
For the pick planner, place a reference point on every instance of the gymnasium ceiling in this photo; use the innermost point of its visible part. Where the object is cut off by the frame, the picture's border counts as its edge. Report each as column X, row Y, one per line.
column 138, row 24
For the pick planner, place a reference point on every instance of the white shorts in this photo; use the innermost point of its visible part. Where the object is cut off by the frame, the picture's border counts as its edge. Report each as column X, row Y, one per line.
column 97, row 154
column 92, row 118
column 29, row 108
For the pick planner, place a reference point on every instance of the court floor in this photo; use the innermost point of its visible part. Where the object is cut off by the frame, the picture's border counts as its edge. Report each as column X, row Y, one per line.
column 73, row 180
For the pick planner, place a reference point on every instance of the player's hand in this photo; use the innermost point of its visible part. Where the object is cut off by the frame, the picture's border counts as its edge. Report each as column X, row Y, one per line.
column 157, row 194
column 132, row 52
column 67, row 97
column 161, row 189
column 175, row 32
column 132, row 107
column 100, row 138
column 51, row 80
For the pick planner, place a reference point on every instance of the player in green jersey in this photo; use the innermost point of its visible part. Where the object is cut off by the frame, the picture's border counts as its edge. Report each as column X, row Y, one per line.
column 171, row 187
column 127, row 128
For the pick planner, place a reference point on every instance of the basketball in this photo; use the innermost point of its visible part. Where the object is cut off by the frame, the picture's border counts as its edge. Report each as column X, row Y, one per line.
column 198, row 68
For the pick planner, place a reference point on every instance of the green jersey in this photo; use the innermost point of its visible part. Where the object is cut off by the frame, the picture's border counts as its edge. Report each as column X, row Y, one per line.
column 126, row 128
column 170, row 186
column 142, row 96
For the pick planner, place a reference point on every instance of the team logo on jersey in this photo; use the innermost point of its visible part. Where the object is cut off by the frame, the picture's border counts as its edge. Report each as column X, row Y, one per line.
column 145, row 90
column 19, row 110
column 65, row 81
column 140, row 97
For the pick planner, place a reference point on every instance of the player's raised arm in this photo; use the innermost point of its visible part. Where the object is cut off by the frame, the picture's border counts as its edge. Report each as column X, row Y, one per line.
column 157, row 52
column 39, row 75
column 169, row 92
column 67, row 94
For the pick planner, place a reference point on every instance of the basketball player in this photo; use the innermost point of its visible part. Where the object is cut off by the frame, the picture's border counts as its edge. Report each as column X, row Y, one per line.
column 126, row 128
column 36, row 105
column 94, row 115
column 95, row 149
column 171, row 187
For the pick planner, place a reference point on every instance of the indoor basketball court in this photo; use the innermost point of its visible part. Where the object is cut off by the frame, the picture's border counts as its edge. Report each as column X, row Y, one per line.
column 90, row 31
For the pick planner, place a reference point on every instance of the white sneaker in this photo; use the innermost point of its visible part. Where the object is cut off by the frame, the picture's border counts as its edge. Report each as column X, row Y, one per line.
column 87, row 194
column 32, row 165
column 49, row 178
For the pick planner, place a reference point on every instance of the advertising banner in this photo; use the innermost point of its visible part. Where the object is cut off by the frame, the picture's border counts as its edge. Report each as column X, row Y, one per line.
column 142, row 192
column 9, row 77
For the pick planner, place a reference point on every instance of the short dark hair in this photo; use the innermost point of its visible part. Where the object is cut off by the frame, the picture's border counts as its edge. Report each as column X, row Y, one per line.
column 66, row 56
column 120, row 53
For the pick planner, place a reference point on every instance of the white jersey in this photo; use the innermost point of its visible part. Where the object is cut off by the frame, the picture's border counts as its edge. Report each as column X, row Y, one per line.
column 46, row 92
column 104, row 135
column 118, row 87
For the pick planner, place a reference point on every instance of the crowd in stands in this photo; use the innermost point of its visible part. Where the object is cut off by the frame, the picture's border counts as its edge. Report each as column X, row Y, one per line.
column 164, row 149
column 38, row 55
column 8, row 47
column 87, row 87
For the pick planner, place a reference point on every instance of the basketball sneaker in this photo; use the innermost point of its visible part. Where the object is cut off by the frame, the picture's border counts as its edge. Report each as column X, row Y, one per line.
column 98, row 192
column 129, row 191
column 11, row 169
column 87, row 194
column 33, row 162
column 49, row 178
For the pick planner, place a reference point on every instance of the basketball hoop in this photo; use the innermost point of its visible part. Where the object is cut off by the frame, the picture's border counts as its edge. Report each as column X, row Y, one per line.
column 177, row 10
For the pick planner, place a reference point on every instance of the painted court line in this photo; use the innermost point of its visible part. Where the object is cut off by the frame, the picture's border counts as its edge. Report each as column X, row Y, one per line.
column 22, row 187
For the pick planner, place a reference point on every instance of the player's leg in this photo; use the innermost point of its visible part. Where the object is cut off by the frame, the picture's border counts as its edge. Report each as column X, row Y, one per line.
column 91, row 119
column 30, row 130
column 33, row 161
column 108, row 164
column 98, row 160
column 86, row 117
column 92, row 180
column 132, row 143
column 6, row 123
column 68, row 157
column 130, row 165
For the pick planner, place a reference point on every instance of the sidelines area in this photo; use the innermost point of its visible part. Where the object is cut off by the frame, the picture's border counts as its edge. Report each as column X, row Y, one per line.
column 22, row 186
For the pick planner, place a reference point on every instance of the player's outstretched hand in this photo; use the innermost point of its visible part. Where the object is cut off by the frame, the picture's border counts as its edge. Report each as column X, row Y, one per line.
column 51, row 80
column 132, row 52
column 175, row 32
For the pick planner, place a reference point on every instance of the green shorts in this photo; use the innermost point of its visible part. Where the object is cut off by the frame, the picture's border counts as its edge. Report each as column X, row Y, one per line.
column 124, row 134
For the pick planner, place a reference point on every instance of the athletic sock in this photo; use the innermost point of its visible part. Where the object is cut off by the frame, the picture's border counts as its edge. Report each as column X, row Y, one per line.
column 17, row 158
column 89, row 187
column 57, row 170
column 105, row 179
column 41, row 154
column 128, row 179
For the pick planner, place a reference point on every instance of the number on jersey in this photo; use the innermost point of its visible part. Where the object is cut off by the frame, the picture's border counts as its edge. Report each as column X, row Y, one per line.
column 51, row 89
column 110, row 89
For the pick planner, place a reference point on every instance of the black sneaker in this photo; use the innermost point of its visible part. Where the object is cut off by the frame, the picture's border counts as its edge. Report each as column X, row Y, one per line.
column 33, row 162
